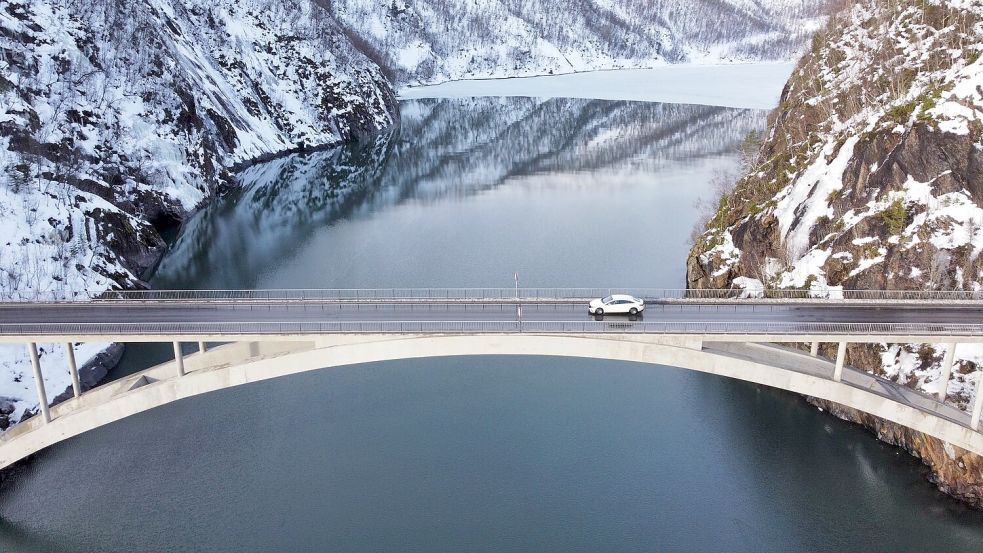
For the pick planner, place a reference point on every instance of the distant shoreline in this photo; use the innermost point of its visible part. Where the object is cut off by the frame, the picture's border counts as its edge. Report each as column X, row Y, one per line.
column 738, row 85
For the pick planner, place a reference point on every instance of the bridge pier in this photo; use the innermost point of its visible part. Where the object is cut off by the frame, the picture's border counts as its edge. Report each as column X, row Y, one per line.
column 974, row 422
column 32, row 349
column 814, row 351
column 201, row 347
column 840, row 359
column 179, row 358
column 950, row 352
column 73, row 369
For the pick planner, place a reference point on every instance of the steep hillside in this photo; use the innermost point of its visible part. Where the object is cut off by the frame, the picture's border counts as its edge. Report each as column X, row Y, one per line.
column 119, row 118
column 872, row 177
column 115, row 115
column 426, row 42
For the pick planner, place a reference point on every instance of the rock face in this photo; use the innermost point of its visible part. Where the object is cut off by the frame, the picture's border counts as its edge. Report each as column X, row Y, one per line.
column 426, row 41
column 119, row 118
column 871, row 176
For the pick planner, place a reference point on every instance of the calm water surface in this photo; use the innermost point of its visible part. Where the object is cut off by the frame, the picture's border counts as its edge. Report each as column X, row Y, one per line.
column 478, row 454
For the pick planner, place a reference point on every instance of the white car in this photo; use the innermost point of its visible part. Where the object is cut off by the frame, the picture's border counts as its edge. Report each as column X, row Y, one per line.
column 616, row 304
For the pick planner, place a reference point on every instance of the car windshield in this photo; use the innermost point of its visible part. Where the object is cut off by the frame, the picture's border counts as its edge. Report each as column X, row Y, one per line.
column 608, row 299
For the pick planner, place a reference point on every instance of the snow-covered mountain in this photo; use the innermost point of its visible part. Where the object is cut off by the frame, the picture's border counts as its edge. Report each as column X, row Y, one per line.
column 429, row 41
column 118, row 115
column 872, row 177
column 118, row 118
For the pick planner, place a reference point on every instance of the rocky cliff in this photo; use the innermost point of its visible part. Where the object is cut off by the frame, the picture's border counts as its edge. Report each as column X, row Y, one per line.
column 117, row 119
column 871, row 176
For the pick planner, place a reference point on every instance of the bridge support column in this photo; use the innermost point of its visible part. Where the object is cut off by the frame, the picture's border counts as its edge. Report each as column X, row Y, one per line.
column 950, row 352
column 179, row 358
column 814, row 351
column 201, row 347
column 73, row 369
column 840, row 359
column 974, row 422
column 32, row 349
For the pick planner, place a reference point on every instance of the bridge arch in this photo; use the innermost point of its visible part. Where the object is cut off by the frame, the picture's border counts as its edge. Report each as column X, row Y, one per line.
column 238, row 364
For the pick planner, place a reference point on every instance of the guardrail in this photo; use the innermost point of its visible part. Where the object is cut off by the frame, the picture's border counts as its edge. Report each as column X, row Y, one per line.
column 613, row 326
column 478, row 294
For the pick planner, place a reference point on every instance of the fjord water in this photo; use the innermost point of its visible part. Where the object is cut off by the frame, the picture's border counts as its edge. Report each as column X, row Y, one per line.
column 478, row 454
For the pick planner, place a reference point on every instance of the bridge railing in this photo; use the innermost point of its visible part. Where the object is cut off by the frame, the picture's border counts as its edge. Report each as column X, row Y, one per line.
column 481, row 294
column 611, row 326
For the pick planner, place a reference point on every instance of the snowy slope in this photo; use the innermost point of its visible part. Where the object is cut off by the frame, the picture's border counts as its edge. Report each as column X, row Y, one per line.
column 114, row 116
column 872, row 175
column 118, row 117
column 871, row 178
column 422, row 42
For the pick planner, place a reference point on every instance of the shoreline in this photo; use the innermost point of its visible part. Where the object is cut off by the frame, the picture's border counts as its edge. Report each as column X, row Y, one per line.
column 672, row 83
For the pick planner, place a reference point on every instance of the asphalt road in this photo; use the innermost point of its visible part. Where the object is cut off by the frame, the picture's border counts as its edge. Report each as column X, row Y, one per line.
column 252, row 312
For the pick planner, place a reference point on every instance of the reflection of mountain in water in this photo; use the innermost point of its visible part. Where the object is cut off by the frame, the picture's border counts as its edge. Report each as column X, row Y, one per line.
column 444, row 148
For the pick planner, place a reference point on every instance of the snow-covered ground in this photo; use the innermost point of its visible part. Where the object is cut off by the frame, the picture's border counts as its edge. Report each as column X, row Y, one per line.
column 753, row 86
column 17, row 390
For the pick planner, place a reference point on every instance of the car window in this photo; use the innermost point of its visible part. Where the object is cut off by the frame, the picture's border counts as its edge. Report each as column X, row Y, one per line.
column 607, row 300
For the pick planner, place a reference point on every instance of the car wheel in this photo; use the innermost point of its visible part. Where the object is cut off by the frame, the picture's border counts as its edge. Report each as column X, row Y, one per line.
column 633, row 311
column 599, row 312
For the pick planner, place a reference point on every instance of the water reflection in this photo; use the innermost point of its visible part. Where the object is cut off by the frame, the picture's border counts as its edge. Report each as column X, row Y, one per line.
column 444, row 149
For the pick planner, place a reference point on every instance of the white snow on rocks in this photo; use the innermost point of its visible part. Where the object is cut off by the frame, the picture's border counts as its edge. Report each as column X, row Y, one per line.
column 807, row 199
column 888, row 79
column 115, row 113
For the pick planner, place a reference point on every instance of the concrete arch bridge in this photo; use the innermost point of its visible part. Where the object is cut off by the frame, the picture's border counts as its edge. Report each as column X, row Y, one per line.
column 249, row 336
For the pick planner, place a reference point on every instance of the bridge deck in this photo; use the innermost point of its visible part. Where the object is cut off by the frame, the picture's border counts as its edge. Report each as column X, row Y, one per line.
column 169, row 317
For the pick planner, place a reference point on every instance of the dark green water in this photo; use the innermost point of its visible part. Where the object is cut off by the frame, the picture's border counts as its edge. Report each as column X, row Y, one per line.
column 478, row 454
